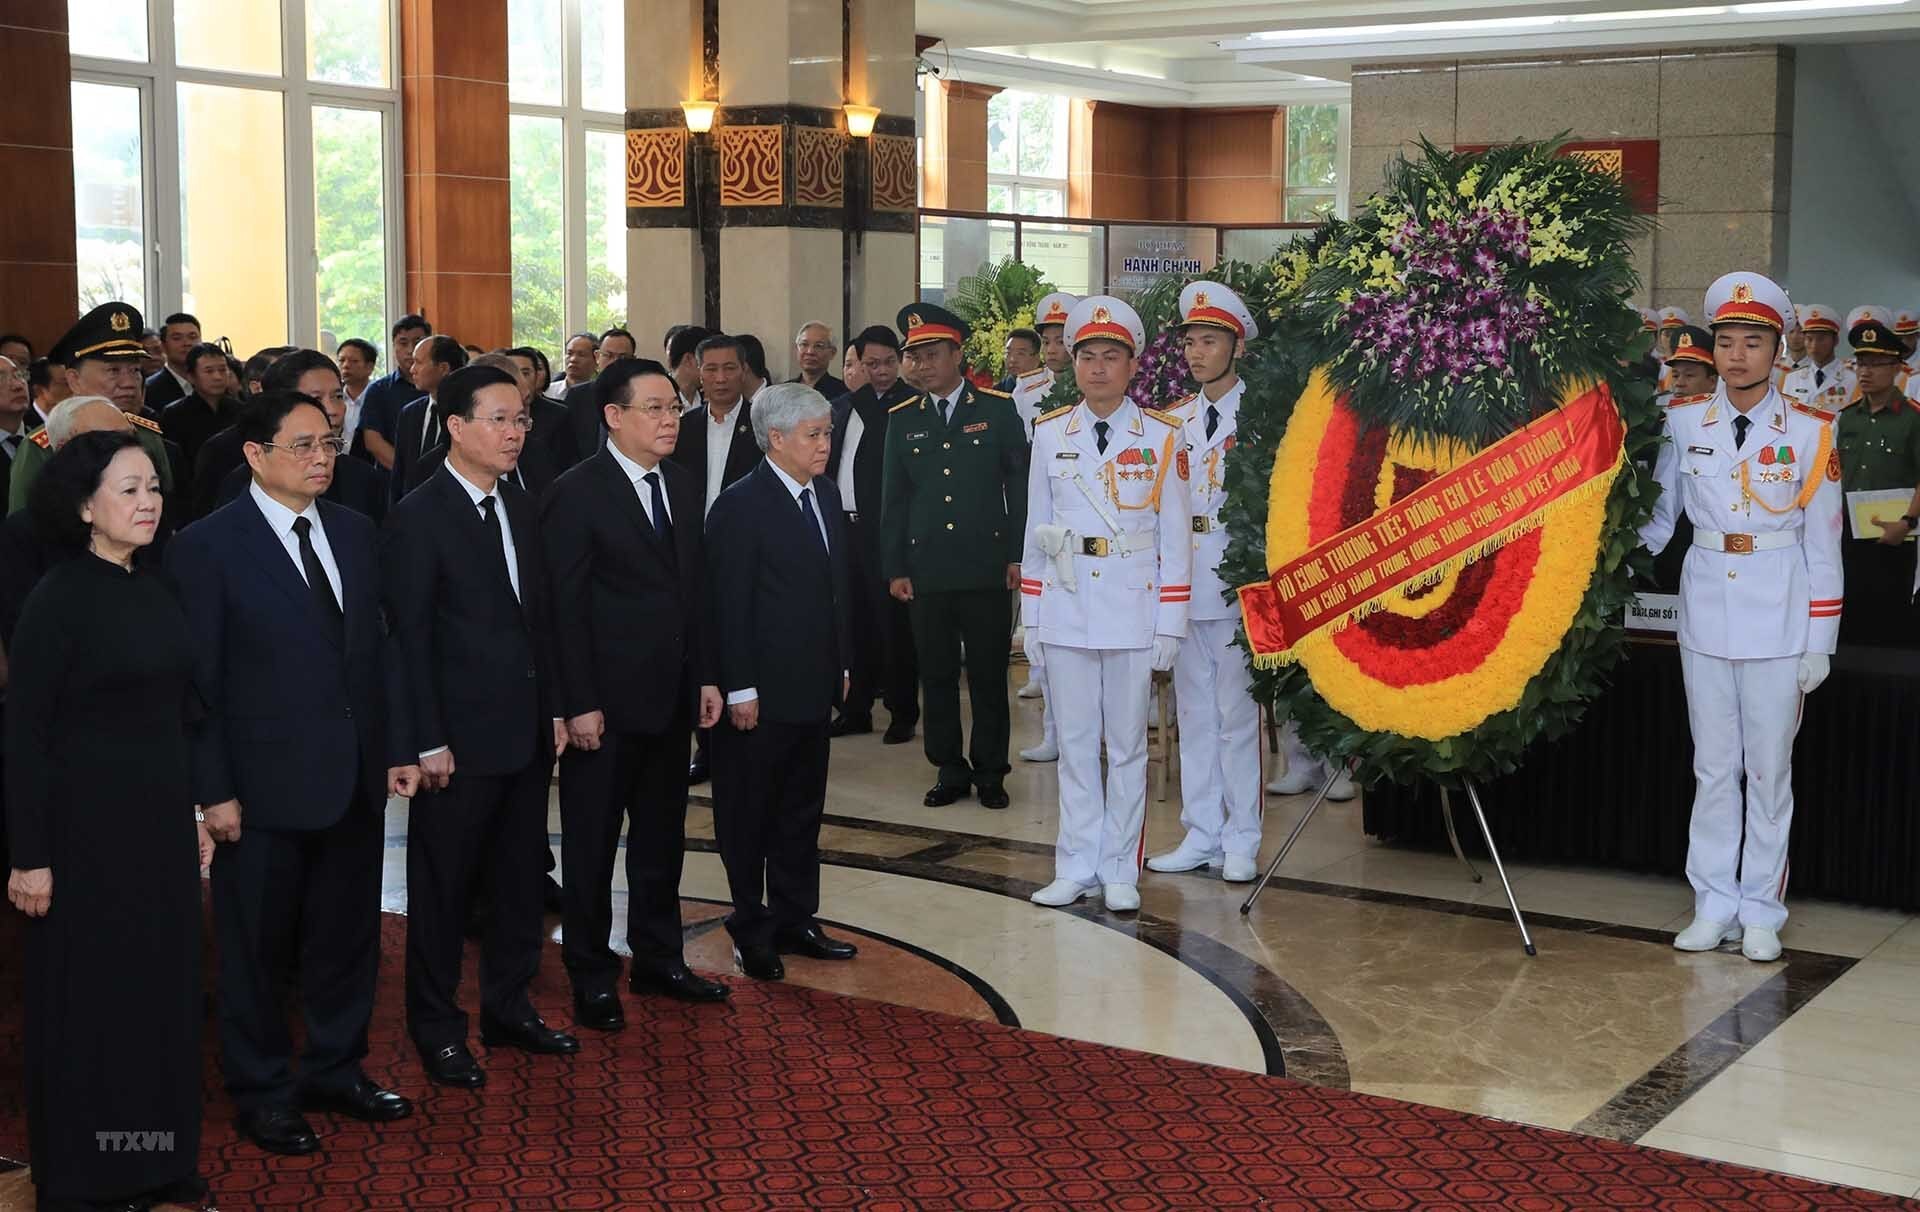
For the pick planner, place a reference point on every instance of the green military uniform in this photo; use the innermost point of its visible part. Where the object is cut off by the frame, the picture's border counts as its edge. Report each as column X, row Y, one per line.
column 1879, row 449
column 36, row 450
column 953, row 517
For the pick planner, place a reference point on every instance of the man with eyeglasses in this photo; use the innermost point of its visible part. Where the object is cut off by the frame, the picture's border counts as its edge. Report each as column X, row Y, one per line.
column 467, row 594
column 13, row 416
column 357, row 484
column 626, row 559
column 282, row 589
column 813, row 349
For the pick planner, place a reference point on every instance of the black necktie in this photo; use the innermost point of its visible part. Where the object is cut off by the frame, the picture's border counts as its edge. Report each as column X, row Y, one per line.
column 491, row 520
column 1213, row 421
column 1100, row 435
column 662, row 521
column 813, row 519
column 317, row 581
column 1819, row 377
column 1741, row 424
column 427, row 431
column 13, row 444
column 946, row 412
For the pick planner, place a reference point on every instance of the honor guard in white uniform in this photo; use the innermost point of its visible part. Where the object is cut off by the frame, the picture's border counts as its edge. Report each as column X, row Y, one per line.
column 1906, row 326
column 1104, row 588
column 1821, row 381
column 1793, row 351
column 1760, row 593
column 1029, row 390
column 1672, row 320
column 1219, row 721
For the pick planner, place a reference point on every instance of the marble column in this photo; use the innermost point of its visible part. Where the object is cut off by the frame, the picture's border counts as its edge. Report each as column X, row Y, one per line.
column 39, row 274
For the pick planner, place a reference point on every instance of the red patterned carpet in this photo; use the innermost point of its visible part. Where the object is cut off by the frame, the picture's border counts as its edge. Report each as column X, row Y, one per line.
column 793, row 1098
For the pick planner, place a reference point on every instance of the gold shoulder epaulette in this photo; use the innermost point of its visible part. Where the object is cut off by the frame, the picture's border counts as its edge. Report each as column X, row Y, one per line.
column 143, row 423
column 1818, row 414
column 39, row 438
column 1165, row 418
column 1184, row 400
column 994, row 391
column 907, row 403
column 1679, row 401
column 1048, row 416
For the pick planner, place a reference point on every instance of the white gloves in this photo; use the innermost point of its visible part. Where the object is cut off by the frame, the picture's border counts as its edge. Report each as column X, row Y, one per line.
column 1030, row 643
column 1814, row 668
column 1167, row 647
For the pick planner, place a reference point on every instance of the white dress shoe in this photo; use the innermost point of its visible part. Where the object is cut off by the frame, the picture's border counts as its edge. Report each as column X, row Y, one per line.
column 1045, row 751
column 1122, row 898
column 1342, row 789
column 1061, row 893
column 1185, row 857
column 1239, row 869
column 1704, row 934
column 1031, row 690
column 1760, row 944
column 1293, row 782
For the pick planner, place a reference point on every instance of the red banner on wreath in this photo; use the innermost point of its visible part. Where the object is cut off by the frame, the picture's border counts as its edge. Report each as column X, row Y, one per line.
column 1499, row 494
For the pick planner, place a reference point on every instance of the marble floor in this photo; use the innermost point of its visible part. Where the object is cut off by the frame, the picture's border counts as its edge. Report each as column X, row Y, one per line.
column 1365, row 966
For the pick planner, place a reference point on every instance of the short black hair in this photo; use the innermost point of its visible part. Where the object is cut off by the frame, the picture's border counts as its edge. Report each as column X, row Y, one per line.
column 673, row 330
column 179, row 317
column 540, row 364
column 458, row 389
column 615, row 384
column 409, row 322
column 367, row 348
column 878, row 334
column 686, row 339
column 284, row 375
column 68, row 479
column 719, row 340
column 206, row 349
column 1029, row 336
column 755, row 355
column 14, row 338
column 444, row 350
column 39, row 375
column 261, row 419
column 618, row 332
column 257, row 366
column 148, row 332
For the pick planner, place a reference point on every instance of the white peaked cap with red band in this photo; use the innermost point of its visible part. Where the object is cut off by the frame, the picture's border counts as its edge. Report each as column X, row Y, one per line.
column 1217, row 306
column 1743, row 297
column 1105, row 318
column 1818, row 317
column 1053, row 309
column 1674, row 317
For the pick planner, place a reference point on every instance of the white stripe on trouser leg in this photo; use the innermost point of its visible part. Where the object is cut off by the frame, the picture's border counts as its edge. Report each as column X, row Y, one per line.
column 1102, row 695
column 1769, row 720
column 1219, row 740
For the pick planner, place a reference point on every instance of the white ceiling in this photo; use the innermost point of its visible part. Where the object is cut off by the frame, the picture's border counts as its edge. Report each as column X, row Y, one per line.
column 1281, row 52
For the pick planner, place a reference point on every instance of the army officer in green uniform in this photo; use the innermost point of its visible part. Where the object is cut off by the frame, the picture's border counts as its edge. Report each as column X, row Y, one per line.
column 952, row 523
column 1878, row 438
column 100, row 356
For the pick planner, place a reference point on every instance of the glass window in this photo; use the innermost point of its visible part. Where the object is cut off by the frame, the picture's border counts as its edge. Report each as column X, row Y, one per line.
column 1027, row 153
column 606, row 188
column 233, row 166
column 539, row 245
column 109, row 194
column 603, row 55
column 350, row 228
column 347, row 42
column 1315, row 161
column 1072, row 256
column 227, row 35
column 1308, row 208
column 1000, row 199
column 108, row 29
column 1041, row 201
column 534, row 52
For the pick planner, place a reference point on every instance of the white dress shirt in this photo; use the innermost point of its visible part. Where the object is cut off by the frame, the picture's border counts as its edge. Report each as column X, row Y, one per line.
column 719, row 445
column 280, row 520
column 499, row 511
column 947, row 403
column 353, row 411
column 849, row 499
column 793, row 487
column 637, row 476
column 186, row 384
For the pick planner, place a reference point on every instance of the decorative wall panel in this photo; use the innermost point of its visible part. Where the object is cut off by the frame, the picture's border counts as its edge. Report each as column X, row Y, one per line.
column 819, row 166
column 752, row 168
column 895, row 173
column 657, row 167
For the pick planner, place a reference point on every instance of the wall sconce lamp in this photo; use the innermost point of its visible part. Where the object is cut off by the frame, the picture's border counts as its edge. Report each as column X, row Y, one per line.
column 699, row 115
column 860, row 119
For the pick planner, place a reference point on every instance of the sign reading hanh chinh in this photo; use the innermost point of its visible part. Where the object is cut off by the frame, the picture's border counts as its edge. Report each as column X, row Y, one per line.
column 1434, row 499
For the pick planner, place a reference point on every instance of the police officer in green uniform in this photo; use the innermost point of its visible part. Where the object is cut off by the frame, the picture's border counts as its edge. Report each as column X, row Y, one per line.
column 952, row 524
column 1878, row 437
column 100, row 356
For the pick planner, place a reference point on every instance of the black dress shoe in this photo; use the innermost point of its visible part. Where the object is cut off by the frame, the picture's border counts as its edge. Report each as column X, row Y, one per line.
column 942, row 794
column 760, row 963
column 897, row 733
column 278, row 1130
column 190, row 1192
column 679, row 982
column 453, row 1065
column 528, row 1035
column 846, row 726
column 697, row 772
column 600, row 1011
column 814, row 943
column 994, row 797
column 362, row 1100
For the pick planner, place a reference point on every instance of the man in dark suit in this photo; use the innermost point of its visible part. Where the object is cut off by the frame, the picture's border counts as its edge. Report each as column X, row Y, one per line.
column 813, row 350
column 552, row 441
column 380, row 408
column 549, row 448
column 777, row 579
column 173, row 381
column 207, row 408
column 623, row 542
column 304, row 739
column 883, row 658
column 467, row 593
column 583, row 404
column 14, row 409
column 420, row 428
column 357, row 484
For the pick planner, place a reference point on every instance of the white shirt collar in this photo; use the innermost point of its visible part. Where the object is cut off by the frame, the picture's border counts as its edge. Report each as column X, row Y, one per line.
column 474, row 493
column 794, row 486
column 952, row 397
column 278, row 516
column 632, row 470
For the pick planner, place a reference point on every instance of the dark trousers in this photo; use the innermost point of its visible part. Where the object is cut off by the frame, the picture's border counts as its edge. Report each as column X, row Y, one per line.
column 884, row 666
column 305, row 898
column 485, row 834
column 982, row 621
column 769, row 790
column 640, row 778
column 1879, row 583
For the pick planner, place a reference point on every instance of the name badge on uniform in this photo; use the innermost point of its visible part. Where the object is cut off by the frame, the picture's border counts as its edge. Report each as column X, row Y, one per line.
column 916, row 437
column 1699, row 450
column 1066, row 454
column 976, row 427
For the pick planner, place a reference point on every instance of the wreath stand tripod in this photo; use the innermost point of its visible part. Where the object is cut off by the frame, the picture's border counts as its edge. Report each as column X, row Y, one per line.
column 1453, row 836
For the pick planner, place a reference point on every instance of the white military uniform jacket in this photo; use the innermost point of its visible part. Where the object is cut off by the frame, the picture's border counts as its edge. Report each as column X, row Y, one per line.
column 1028, row 390
column 1763, row 579
column 1140, row 587
column 1206, row 488
column 1830, row 396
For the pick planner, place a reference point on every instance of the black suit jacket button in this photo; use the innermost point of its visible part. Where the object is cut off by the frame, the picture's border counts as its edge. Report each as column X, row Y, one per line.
column 349, row 713
column 530, row 673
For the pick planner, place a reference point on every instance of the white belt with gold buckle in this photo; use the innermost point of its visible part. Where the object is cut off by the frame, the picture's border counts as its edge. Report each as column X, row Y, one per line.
column 1746, row 544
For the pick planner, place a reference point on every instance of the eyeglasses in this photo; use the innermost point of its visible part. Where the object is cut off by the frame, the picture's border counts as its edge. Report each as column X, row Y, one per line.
column 303, row 448
column 521, row 422
column 21, row 375
column 654, row 412
column 817, row 346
